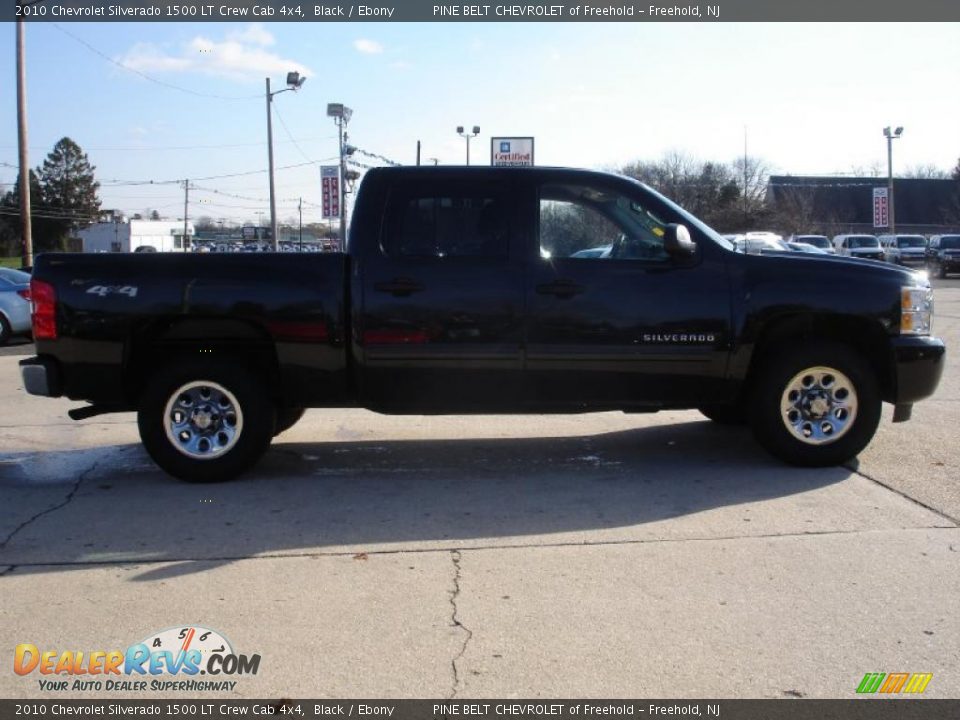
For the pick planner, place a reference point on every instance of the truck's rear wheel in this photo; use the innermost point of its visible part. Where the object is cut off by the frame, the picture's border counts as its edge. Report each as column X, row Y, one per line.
column 203, row 422
column 815, row 404
column 287, row 417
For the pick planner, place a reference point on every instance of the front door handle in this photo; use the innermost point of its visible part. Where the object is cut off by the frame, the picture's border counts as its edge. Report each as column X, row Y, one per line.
column 399, row 287
column 560, row 288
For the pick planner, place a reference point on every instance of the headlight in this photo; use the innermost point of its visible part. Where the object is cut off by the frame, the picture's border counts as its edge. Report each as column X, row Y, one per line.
column 916, row 310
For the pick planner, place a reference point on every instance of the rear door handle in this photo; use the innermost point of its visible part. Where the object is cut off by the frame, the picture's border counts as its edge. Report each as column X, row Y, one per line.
column 400, row 287
column 560, row 288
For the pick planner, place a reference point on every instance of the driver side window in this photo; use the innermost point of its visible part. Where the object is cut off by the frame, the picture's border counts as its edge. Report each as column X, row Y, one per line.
column 597, row 224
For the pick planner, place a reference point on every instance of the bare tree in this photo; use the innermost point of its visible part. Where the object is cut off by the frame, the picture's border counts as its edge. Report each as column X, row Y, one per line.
column 874, row 169
column 793, row 212
column 926, row 172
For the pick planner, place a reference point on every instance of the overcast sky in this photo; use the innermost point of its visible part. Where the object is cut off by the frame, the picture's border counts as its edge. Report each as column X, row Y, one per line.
column 813, row 98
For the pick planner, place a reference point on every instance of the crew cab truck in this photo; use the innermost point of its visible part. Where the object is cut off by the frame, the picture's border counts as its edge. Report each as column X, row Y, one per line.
column 466, row 290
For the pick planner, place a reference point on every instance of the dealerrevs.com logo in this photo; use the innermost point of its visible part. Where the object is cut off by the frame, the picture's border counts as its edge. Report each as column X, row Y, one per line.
column 169, row 660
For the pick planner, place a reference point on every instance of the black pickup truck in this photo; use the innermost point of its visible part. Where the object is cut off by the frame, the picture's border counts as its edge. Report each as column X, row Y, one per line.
column 485, row 290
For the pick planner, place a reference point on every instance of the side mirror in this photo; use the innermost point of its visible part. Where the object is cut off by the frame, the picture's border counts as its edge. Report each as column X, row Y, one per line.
column 677, row 241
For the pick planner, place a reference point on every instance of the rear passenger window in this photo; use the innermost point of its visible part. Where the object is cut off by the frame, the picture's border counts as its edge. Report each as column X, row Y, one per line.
column 446, row 225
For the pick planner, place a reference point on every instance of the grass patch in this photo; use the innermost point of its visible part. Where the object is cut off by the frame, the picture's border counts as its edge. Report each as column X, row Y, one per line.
column 11, row 262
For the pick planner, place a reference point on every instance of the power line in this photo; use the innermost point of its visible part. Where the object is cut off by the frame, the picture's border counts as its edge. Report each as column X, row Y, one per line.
column 154, row 80
column 119, row 183
column 165, row 148
column 276, row 111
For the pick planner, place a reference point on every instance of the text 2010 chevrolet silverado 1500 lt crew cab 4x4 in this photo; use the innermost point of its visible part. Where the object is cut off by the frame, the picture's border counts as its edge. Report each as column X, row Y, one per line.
column 465, row 290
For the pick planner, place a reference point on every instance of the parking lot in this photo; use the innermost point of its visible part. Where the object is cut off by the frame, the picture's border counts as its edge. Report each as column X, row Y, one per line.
column 607, row 555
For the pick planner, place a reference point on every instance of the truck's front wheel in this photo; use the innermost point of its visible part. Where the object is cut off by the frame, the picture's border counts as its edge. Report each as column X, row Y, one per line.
column 815, row 404
column 203, row 422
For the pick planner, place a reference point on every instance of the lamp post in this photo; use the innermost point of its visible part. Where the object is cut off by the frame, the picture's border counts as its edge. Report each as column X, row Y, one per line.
column 341, row 115
column 891, row 136
column 467, row 136
column 294, row 82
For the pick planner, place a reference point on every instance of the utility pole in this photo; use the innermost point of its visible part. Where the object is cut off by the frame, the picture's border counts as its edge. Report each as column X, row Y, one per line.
column 418, row 153
column 186, row 209
column 26, row 230
column 300, row 209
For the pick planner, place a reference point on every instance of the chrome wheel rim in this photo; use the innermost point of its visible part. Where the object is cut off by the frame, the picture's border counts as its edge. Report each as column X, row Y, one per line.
column 819, row 405
column 203, row 420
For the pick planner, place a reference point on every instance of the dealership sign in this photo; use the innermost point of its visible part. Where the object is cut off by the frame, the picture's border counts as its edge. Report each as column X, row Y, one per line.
column 511, row 152
column 881, row 208
column 330, row 189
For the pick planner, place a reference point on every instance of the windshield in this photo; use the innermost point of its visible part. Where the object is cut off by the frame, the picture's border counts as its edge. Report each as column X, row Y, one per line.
column 911, row 241
column 951, row 241
column 15, row 276
column 820, row 241
column 862, row 241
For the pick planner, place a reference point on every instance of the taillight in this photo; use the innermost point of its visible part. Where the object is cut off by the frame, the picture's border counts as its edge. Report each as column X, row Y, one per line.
column 25, row 294
column 44, row 299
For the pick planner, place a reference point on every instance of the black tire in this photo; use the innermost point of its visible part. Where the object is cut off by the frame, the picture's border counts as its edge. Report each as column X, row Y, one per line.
column 943, row 271
column 236, row 411
column 287, row 417
column 852, row 393
column 734, row 414
column 5, row 330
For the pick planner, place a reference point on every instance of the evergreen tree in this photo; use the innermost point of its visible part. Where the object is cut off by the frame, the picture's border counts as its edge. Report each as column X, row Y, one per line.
column 46, row 231
column 68, row 188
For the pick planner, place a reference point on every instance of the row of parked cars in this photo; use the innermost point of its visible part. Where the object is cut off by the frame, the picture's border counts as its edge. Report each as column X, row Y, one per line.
column 14, row 304
column 940, row 253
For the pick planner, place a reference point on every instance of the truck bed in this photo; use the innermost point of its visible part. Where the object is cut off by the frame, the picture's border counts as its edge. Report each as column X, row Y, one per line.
column 128, row 311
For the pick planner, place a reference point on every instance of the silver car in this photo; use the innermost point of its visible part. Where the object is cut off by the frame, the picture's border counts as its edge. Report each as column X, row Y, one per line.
column 14, row 304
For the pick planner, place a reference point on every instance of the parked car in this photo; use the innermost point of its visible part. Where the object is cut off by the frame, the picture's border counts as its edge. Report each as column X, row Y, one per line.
column 904, row 249
column 758, row 243
column 866, row 247
column 444, row 304
column 14, row 304
column 943, row 254
column 819, row 241
column 805, row 248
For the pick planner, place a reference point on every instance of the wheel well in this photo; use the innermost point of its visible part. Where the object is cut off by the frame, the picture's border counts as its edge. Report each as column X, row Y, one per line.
column 168, row 341
column 864, row 335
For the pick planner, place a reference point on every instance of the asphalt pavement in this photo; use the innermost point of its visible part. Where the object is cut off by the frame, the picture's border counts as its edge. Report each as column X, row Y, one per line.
column 574, row 556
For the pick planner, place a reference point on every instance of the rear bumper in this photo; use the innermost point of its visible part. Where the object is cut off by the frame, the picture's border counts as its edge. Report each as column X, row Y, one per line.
column 917, row 365
column 41, row 376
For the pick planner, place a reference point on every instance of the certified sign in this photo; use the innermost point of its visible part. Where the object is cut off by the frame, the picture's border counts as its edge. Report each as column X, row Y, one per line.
column 881, row 208
column 511, row 152
column 330, row 189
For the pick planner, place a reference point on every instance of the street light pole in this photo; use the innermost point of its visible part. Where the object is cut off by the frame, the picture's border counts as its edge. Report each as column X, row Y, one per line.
column 467, row 136
column 294, row 82
column 341, row 115
column 273, row 199
column 891, row 136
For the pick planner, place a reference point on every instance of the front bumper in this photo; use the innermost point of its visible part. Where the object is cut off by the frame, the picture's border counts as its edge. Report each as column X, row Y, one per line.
column 41, row 376
column 912, row 260
column 917, row 366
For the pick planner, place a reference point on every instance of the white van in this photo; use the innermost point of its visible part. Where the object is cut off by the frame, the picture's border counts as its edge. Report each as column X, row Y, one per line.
column 858, row 246
column 904, row 249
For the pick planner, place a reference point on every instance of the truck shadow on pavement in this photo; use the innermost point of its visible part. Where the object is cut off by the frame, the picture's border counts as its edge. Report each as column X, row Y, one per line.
column 679, row 481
